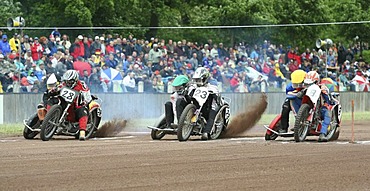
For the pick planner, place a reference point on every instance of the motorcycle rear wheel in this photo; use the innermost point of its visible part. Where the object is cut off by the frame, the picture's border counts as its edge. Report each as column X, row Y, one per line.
column 48, row 128
column 333, row 134
column 158, row 135
column 91, row 124
column 300, row 127
column 34, row 124
column 185, row 126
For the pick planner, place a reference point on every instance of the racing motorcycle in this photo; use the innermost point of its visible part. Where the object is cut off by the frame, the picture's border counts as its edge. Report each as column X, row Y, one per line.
column 53, row 120
column 191, row 121
column 310, row 120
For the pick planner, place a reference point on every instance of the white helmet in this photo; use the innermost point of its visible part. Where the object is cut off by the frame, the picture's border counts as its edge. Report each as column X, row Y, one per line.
column 201, row 76
column 51, row 82
column 70, row 78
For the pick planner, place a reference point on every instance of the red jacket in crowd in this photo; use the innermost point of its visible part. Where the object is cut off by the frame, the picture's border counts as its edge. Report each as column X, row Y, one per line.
column 36, row 51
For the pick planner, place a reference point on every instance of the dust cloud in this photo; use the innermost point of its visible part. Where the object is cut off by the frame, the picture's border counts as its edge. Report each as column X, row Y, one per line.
column 111, row 128
column 246, row 119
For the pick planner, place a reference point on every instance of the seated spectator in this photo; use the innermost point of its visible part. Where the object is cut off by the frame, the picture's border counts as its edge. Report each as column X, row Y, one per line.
column 158, row 84
column 32, row 78
column 234, row 82
column 129, row 82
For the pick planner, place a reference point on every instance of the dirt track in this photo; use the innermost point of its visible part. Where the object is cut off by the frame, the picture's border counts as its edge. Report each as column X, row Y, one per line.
column 135, row 162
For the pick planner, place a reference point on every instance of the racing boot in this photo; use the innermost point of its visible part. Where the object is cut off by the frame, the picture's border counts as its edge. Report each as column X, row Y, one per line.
column 322, row 138
column 82, row 135
column 282, row 131
column 205, row 136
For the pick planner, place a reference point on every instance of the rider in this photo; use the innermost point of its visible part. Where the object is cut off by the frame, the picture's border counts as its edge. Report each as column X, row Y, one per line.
column 313, row 77
column 79, row 108
column 293, row 89
column 201, row 78
column 179, row 84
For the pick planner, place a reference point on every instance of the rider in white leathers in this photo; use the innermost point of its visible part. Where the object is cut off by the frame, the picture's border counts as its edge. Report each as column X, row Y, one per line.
column 209, row 110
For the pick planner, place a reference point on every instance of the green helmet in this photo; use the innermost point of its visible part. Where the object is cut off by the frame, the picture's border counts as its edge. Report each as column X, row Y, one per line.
column 180, row 81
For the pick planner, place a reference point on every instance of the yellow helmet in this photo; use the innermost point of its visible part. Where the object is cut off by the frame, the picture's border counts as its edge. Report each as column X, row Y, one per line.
column 297, row 78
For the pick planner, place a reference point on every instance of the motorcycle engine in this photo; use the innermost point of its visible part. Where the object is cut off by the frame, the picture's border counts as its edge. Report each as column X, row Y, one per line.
column 72, row 127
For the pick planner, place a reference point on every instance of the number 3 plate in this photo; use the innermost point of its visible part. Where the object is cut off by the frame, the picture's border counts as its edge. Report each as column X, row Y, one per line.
column 68, row 94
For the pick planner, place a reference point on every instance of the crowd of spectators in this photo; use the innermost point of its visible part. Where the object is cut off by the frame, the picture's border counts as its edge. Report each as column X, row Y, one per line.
column 154, row 63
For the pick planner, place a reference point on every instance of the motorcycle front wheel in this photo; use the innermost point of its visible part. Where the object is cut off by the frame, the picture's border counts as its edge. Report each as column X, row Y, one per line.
column 50, row 123
column 185, row 126
column 300, row 126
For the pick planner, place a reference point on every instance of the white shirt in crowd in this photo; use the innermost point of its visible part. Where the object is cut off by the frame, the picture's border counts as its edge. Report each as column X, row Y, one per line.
column 129, row 80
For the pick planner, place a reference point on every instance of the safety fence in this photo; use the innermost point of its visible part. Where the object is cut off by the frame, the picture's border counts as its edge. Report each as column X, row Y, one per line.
column 14, row 108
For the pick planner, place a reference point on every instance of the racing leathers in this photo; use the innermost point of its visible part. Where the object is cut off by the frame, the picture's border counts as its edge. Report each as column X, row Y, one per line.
column 78, row 111
column 325, row 109
column 209, row 109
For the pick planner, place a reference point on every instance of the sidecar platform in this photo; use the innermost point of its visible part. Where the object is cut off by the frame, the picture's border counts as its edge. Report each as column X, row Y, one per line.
column 287, row 134
column 165, row 129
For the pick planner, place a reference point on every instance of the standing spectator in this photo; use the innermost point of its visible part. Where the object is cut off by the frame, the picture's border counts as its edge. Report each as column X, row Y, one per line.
column 95, row 46
column 146, row 48
column 36, row 50
column 4, row 45
column 55, row 33
column 222, row 53
column 154, row 56
column 75, row 49
column 170, row 47
column 86, row 44
column 82, row 46
column 102, row 47
column 26, row 43
column 14, row 42
column 52, row 45
column 65, row 41
column 214, row 52
column 350, row 56
column 179, row 49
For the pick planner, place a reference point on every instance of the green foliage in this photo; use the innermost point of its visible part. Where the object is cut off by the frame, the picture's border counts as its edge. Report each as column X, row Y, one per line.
column 366, row 55
column 9, row 9
column 152, row 13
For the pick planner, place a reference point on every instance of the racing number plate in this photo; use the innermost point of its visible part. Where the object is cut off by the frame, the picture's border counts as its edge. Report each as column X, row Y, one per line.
column 201, row 95
column 68, row 94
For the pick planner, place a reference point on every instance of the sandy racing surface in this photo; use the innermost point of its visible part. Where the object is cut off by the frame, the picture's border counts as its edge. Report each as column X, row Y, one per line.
column 135, row 162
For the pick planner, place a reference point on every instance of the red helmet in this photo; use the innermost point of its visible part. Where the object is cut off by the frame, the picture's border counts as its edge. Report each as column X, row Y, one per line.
column 311, row 77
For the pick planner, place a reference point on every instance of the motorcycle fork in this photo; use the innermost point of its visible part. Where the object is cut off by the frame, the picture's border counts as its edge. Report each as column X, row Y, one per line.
column 62, row 118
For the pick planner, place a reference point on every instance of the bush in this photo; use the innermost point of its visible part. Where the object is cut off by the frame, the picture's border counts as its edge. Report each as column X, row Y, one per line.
column 366, row 55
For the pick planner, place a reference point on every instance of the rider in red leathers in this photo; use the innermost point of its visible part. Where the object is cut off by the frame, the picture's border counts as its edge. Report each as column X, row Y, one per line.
column 78, row 111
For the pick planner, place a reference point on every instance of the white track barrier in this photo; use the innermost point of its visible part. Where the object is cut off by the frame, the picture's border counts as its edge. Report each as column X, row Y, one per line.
column 1, row 110
column 140, row 87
